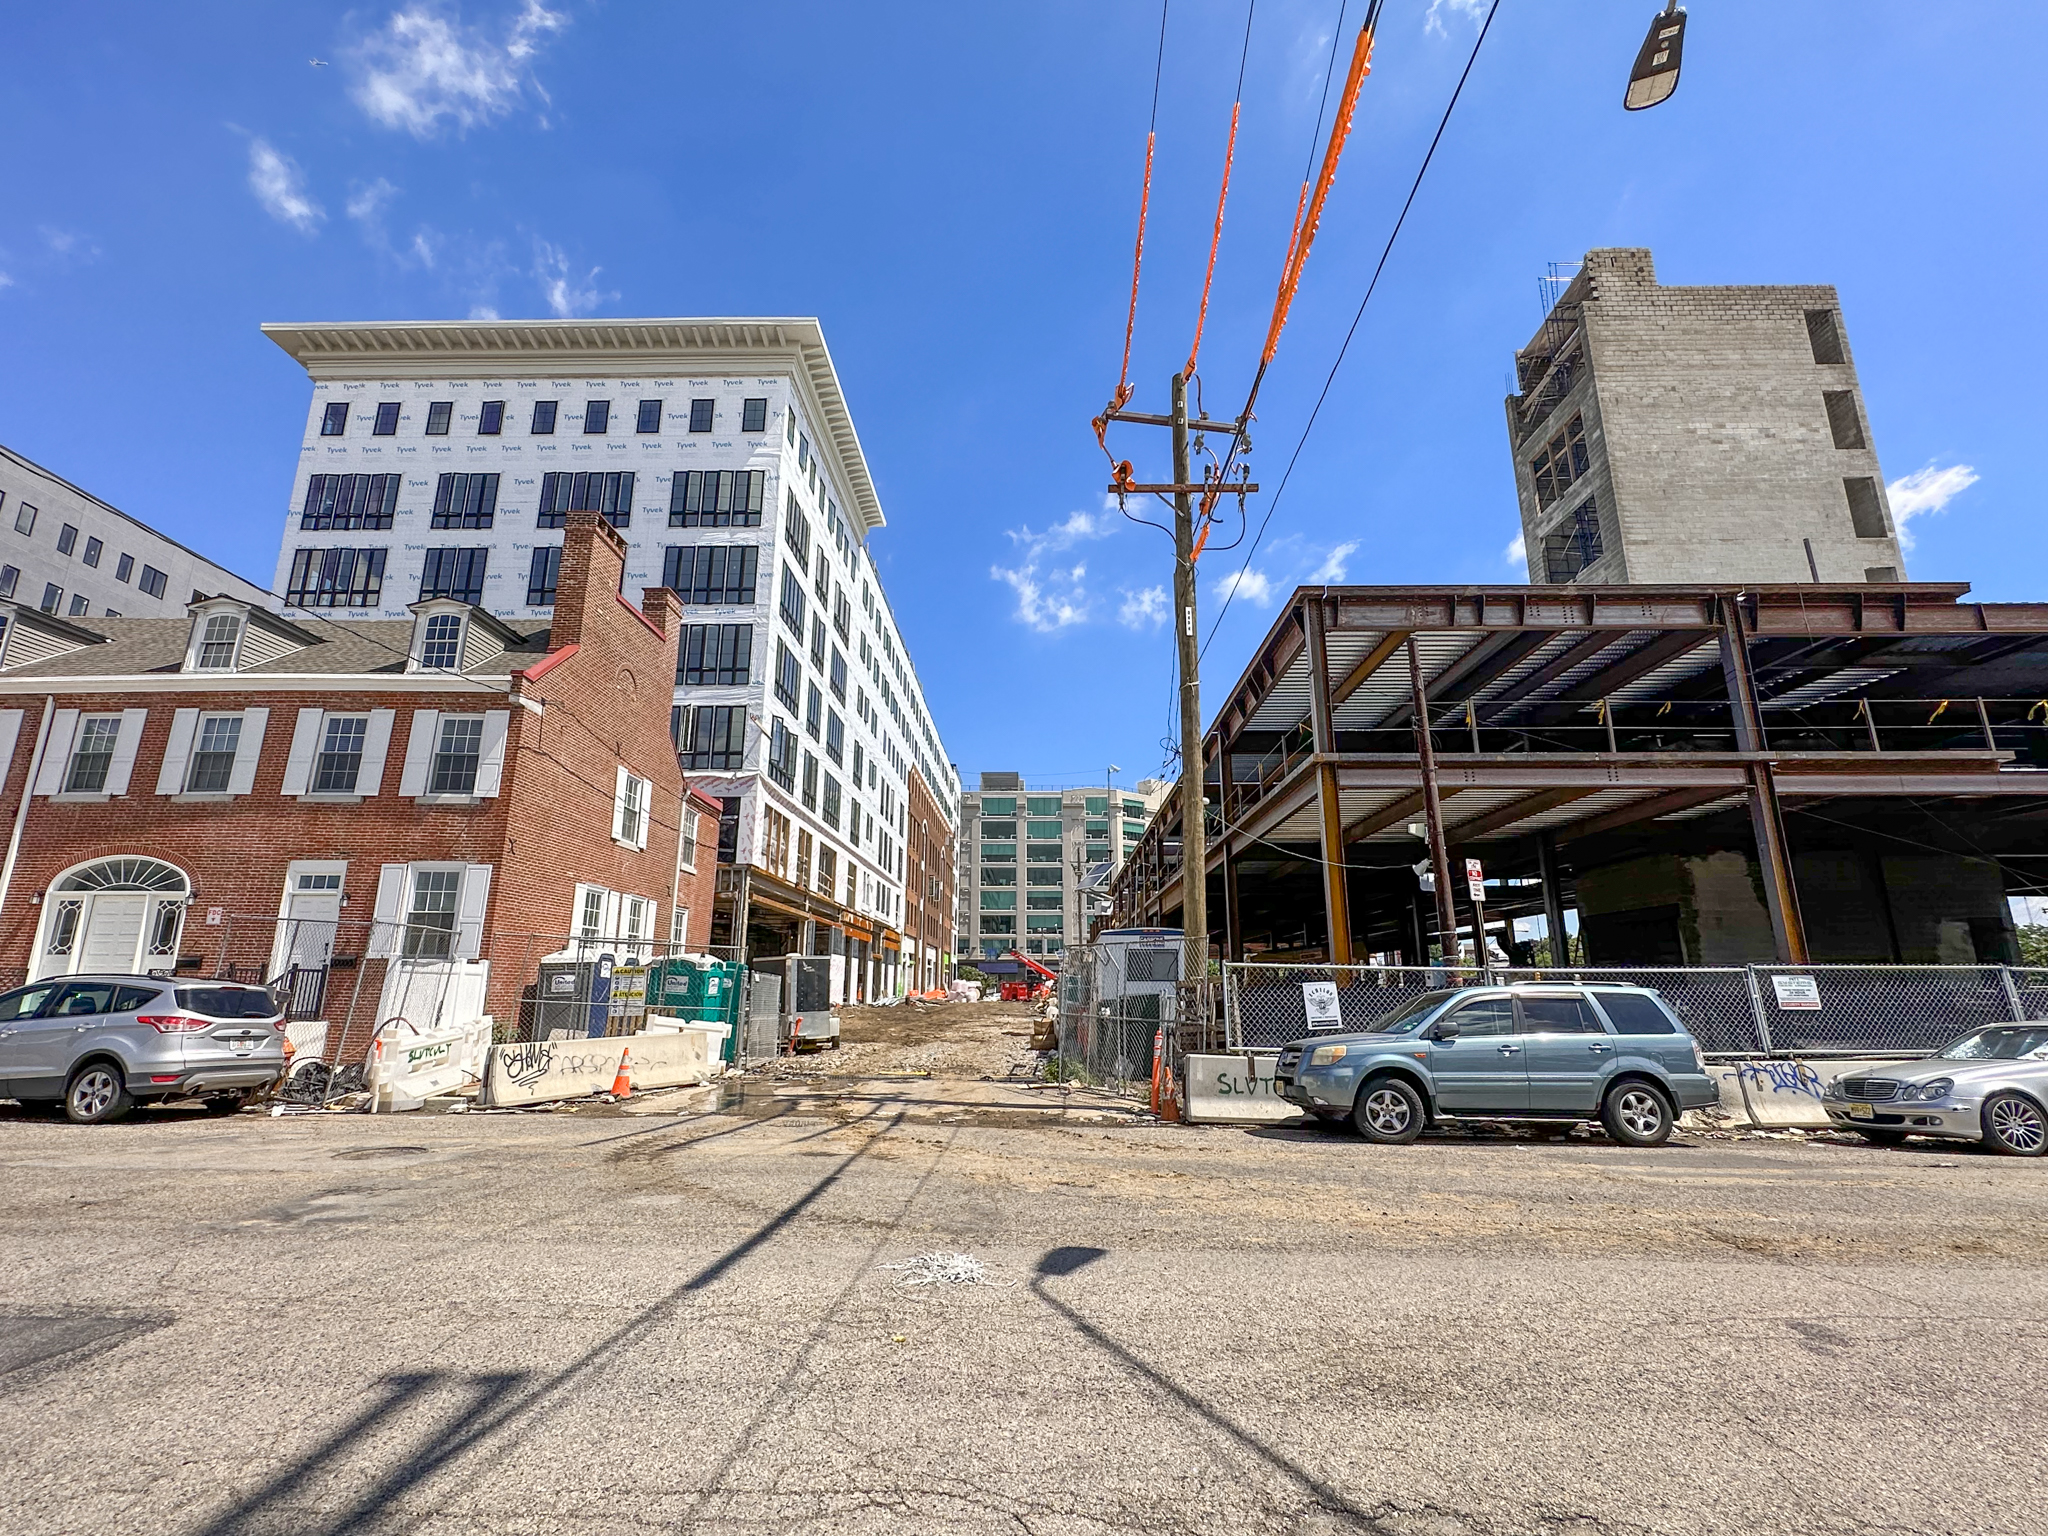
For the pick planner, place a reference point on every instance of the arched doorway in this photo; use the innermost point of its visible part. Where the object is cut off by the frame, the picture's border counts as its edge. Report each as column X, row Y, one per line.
column 121, row 915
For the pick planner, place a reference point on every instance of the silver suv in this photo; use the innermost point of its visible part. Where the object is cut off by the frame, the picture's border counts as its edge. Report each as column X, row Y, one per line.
column 1553, row 1055
column 101, row 1043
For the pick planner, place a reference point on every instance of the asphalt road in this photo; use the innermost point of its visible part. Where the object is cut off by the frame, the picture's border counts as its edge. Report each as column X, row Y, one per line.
column 687, row 1321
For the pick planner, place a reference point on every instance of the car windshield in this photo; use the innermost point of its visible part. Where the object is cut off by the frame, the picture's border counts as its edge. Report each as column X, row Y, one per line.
column 228, row 1002
column 1407, row 1018
column 2005, row 1042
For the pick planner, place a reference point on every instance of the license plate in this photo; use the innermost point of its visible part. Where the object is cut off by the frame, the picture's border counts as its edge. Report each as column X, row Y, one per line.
column 241, row 1047
column 1862, row 1112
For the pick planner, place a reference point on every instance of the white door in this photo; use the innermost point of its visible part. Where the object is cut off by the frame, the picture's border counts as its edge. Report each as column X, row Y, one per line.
column 113, row 933
column 311, row 919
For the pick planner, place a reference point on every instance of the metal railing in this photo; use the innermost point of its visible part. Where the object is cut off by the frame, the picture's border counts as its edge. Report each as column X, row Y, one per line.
column 1732, row 1010
column 1121, row 1004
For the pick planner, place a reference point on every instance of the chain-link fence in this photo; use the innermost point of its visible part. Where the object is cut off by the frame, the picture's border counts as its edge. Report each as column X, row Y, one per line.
column 1130, row 999
column 1732, row 1010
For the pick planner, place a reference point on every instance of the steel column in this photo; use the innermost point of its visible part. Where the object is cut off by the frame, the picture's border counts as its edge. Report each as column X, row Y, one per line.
column 1766, row 819
column 1322, row 729
column 1553, row 899
column 1433, row 813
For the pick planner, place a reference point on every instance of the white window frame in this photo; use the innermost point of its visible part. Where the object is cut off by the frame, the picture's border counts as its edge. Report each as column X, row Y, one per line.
column 203, row 627
column 632, row 812
column 67, row 726
column 427, row 622
column 423, row 743
column 396, row 884
column 175, row 770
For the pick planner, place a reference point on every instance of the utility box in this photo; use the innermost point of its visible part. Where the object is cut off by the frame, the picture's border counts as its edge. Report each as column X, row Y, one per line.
column 807, row 998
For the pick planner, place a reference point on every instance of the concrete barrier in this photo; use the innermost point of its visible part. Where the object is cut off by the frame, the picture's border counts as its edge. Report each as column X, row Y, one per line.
column 669, row 1059
column 544, row 1070
column 1785, row 1093
column 1236, row 1089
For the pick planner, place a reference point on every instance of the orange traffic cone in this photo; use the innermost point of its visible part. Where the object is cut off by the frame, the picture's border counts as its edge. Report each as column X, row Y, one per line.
column 622, row 1085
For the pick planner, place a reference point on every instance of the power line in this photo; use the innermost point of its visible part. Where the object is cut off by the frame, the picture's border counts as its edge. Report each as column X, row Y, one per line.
column 1331, row 379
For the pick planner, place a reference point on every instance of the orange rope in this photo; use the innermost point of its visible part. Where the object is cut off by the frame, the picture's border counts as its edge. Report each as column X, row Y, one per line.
column 1216, row 239
column 1123, row 383
column 1298, row 247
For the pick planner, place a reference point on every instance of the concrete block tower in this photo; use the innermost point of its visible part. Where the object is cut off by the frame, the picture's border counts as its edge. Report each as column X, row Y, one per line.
column 1682, row 434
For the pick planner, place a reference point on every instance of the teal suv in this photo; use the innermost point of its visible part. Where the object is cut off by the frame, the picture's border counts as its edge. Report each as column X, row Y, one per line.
column 1550, row 1055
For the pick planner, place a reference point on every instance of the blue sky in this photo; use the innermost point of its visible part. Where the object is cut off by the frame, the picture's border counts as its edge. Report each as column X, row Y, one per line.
column 952, row 190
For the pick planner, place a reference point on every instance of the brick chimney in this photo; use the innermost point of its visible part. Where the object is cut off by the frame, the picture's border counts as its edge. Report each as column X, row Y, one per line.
column 593, row 571
column 662, row 609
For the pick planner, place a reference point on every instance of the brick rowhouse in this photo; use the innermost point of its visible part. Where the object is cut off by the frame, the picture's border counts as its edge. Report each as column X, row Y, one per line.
column 928, row 885
column 252, row 790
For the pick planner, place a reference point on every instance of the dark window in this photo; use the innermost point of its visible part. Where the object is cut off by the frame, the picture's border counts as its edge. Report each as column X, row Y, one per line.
column 124, row 568
column 544, row 573
column 649, row 419
column 67, row 539
column 1824, row 335
column 213, row 754
column 792, row 607
column 543, row 418
column 1559, row 1016
column 1575, row 545
column 817, row 642
column 608, row 494
column 93, row 547
column 701, row 413
column 456, row 756
column 227, row 1002
column 842, row 617
column 439, row 413
column 153, row 581
column 490, row 419
column 717, row 742
column 716, row 498
column 334, row 419
column 753, row 415
column 789, row 676
column 24, row 517
column 1634, row 1014
column 720, row 574
column 797, row 533
column 814, row 712
column 1561, row 462
column 1866, row 512
column 830, row 811
column 341, row 502
column 386, row 422
column 810, row 789
column 1487, row 1016
column 93, row 755
column 1843, row 421
column 465, row 501
column 10, row 578
column 782, row 755
column 456, row 573
column 340, row 761
column 716, row 655
column 597, row 417
column 835, row 736
column 336, row 578
column 1870, row 573
column 78, row 605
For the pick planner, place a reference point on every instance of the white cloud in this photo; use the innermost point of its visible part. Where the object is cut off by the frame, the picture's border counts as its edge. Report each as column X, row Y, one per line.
column 1517, row 552
column 1471, row 10
column 567, row 296
column 366, row 203
column 67, row 242
column 1255, row 587
column 483, row 312
column 1924, row 491
column 1052, row 601
column 426, row 67
column 1144, row 607
column 1332, row 568
column 280, row 186
column 6, row 281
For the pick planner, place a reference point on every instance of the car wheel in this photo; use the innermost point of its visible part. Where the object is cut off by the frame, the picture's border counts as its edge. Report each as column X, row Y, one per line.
column 1388, row 1111
column 1637, row 1114
column 2015, row 1125
column 225, row 1104
column 95, row 1094
column 1882, row 1138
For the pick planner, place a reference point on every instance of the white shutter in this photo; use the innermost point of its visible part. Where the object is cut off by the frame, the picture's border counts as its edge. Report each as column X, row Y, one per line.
column 177, row 752
column 10, row 738
column 385, row 931
column 126, row 740
column 376, row 744
column 57, row 757
column 619, row 828
column 298, row 762
column 242, row 778
column 469, row 911
column 646, row 818
column 490, row 763
column 419, row 752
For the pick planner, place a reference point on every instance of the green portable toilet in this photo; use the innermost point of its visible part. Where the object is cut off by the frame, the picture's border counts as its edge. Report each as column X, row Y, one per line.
column 700, row 990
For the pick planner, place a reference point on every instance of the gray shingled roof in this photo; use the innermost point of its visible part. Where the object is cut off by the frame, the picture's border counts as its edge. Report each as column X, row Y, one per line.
column 362, row 647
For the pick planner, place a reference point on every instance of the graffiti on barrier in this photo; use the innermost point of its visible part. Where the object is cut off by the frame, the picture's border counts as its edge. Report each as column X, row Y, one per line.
column 1780, row 1077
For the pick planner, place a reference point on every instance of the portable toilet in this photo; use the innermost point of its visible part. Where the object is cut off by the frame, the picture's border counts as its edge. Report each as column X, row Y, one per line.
column 699, row 989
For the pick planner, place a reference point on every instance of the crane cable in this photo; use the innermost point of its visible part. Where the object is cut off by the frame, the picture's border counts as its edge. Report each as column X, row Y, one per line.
column 1123, row 383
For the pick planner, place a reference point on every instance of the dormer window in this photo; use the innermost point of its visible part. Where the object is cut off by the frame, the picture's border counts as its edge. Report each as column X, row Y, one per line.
column 441, row 643
column 218, row 643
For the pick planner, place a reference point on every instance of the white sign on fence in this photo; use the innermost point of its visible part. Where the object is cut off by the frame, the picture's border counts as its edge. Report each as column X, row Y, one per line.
column 1796, row 991
column 1319, row 1000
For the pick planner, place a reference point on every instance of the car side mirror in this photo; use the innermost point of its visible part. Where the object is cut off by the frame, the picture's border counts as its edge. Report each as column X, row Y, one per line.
column 1443, row 1030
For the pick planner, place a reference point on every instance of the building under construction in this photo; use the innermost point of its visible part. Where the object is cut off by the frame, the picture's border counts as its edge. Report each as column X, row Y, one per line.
column 1706, row 774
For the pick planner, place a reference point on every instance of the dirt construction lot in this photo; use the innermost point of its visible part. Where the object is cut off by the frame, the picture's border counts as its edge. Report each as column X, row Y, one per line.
column 689, row 1313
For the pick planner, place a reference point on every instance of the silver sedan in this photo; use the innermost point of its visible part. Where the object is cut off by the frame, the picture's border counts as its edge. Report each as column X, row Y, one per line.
column 1990, row 1086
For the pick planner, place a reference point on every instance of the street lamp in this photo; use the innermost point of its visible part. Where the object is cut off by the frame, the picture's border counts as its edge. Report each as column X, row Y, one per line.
column 1655, row 75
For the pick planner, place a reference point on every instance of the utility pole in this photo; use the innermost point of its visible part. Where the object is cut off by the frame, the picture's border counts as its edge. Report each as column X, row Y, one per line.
column 1194, row 826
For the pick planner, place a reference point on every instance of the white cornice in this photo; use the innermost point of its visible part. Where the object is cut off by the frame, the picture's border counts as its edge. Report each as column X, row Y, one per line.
column 490, row 348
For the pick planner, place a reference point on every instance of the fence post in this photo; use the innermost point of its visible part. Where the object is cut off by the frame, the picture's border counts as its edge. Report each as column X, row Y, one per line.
column 1756, row 1003
column 1233, row 1026
column 2012, row 991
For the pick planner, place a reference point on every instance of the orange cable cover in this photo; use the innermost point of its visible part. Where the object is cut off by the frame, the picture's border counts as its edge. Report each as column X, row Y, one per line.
column 1298, row 248
column 1216, row 239
column 1123, row 382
